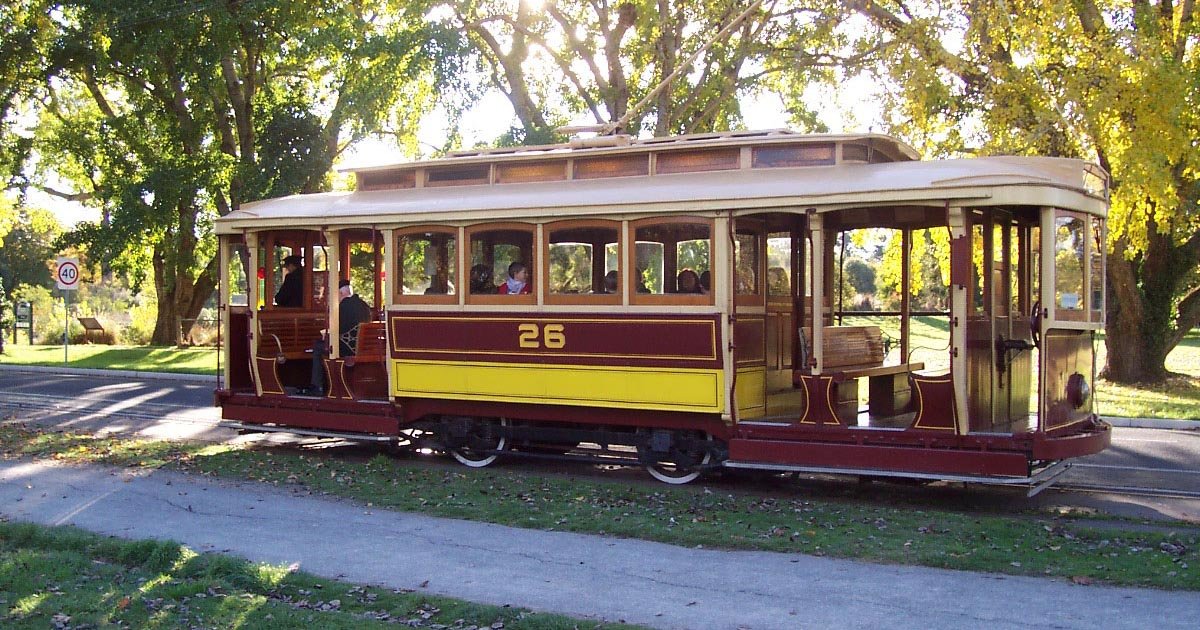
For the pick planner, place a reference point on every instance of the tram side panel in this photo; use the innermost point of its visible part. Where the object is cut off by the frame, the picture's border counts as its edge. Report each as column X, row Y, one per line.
column 651, row 362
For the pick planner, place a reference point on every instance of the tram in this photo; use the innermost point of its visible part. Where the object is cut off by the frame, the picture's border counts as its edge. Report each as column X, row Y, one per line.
column 678, row 303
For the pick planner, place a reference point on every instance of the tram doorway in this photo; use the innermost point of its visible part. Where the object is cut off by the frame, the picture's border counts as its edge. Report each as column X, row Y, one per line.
column 1000, row 350
column 768, row 274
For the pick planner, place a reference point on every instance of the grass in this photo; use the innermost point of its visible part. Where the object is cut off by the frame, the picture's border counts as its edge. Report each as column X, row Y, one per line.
column 61, row 577
column 138, row 358
column 1178, row 397
column 1083, row 549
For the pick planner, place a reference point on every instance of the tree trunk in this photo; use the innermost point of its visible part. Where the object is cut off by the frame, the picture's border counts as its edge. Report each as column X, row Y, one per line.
column 166, row 327
column 1139, row 327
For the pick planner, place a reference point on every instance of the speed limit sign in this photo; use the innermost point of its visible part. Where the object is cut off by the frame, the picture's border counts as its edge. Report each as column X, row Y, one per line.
column 67, row 274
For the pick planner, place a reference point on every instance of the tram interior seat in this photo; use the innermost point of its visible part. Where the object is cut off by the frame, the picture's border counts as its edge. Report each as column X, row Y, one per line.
column 285, row 341
column 363, row 374
column 855, row 352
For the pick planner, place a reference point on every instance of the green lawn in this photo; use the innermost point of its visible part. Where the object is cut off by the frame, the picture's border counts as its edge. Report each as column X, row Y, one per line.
column 788, row 519
column 61, row 577
column 139, row 358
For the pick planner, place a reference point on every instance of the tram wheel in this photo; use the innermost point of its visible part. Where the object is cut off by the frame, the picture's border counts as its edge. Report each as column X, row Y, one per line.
column 683, row 462
column 481, row 444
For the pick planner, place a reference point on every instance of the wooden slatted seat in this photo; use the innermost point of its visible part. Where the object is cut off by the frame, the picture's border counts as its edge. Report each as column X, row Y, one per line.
column 371, row 344
column 289, row 335
column 852, row 347
column 363, row 374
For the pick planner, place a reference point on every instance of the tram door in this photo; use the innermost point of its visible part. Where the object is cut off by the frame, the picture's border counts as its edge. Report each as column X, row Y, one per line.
column 999, row 347
column 766, row 248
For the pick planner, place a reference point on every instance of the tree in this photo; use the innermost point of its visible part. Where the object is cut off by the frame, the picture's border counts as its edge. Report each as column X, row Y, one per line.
column 167, row 115
column 599, row 58
column 27, row 248
column 1109, row 80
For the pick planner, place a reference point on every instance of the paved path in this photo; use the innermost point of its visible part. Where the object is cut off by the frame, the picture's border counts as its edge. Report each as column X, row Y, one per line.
column 587, row 576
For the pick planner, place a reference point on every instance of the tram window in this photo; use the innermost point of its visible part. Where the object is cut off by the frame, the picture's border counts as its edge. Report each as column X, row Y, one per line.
column 493, row 251
column 427, row 263
column 239, row 281
column 362, row 270
column 977, row 253
column 745, row 257
column 1096, row 269
column 580, row 258
column 672, row 257
column 1069, row 246
column 779, row 265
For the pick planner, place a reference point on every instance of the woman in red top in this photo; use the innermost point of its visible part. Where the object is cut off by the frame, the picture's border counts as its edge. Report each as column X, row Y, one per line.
column 518, row 281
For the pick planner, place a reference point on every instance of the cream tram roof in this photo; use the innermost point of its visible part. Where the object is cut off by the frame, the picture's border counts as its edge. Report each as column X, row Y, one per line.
column 619, row 176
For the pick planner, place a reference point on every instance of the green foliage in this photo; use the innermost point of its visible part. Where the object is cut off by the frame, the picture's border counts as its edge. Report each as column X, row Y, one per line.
column 26, row 247
column 575, row 60
column 1105, row 80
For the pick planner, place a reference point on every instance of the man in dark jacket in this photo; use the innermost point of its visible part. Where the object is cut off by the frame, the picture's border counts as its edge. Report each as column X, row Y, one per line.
column 352, row 311
column 291, row 291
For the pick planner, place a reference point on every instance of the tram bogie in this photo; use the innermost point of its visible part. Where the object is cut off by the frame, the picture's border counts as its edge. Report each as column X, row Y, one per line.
column 680, row 305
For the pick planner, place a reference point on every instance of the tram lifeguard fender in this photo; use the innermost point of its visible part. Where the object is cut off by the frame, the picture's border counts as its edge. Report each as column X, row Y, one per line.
column 1091, row 437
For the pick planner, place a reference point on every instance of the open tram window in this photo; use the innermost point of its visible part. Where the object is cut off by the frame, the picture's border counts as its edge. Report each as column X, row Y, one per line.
column 582, row 262
column 362, row 252
column 236, row 272
column 427, row 263
column 495, row 249
column 295, row 253
column 672, row 261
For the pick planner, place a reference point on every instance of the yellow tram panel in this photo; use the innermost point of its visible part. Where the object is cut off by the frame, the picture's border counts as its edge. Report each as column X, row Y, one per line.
column 663, row 389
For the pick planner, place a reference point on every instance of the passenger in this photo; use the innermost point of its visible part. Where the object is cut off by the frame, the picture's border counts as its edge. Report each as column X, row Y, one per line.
column 689, row 282
column 352, row 311
column 611, row 283
column 777, row 281
column 706, row 282
column 481, row 280
column 518, row 281
column 291, row 291
column 641, row 282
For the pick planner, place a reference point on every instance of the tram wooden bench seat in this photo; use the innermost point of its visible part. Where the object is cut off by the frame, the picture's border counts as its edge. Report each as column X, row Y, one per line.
column 289, row 335
column 888, row 388
column 363, row 374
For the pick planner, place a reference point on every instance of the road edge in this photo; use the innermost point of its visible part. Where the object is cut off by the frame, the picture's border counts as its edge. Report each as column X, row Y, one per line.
column 136, row 374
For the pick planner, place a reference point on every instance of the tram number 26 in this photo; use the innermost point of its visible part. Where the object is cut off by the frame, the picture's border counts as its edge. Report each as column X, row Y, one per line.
column 534, row 336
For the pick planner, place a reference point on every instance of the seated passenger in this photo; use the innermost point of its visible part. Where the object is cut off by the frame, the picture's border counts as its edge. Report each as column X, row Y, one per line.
column 706, row 281
column 777, row 281
column 518, row 281
column 352, row 311
column 481, row 280
column 611, row 284
column 689, row 282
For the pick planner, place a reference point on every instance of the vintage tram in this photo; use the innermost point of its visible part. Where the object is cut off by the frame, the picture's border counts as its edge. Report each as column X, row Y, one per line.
column 682, row 308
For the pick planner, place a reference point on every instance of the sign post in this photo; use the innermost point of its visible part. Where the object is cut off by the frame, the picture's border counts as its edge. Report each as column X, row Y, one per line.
column 67, row 278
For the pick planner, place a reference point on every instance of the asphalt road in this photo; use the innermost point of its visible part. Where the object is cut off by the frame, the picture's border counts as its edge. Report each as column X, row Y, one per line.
column 1165, row 462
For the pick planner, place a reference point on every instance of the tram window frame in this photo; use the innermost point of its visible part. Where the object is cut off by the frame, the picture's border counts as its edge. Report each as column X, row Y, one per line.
column 237, row 271
column 548, row 231
column 1097, row 269
column 453, row 259
column 533, row 266
column 755, row 296
column 376, row 249
column 789, row 295
column 630, row 275
column 270, row 261
column 1062, row 313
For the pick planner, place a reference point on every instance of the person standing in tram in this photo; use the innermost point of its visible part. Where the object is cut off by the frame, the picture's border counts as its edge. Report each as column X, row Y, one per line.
column 291, row 291
column 518, row 281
